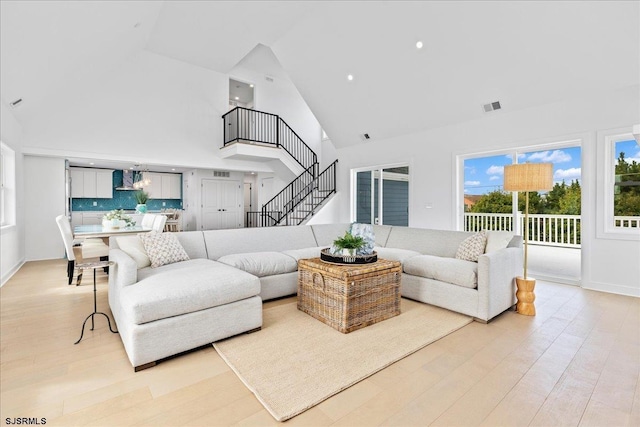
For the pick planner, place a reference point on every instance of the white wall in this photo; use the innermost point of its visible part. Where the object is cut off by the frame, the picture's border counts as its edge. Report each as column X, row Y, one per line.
column 610, row 265
column 45, row 189
column 12, row 237
column 282, row 98
column 150, row 109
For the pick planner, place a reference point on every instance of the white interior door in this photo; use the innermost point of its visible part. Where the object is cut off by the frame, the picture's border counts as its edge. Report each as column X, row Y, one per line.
column 221, row 204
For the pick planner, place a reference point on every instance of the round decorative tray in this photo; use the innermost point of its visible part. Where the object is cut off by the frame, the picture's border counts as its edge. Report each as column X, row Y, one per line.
column 346, row 259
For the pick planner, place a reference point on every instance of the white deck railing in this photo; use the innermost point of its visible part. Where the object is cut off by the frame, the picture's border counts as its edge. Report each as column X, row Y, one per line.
column 626, row 221
column 550, row 230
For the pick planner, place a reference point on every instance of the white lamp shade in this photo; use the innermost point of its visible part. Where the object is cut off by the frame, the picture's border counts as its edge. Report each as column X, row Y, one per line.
column 528, row 177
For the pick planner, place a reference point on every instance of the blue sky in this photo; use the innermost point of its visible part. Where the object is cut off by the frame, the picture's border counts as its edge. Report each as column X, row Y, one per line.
column 486, row 174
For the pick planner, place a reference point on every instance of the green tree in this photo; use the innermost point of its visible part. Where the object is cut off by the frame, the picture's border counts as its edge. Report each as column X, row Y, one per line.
column 552, row 201
column 496, row 201
column 627, row 196
column 535, row 202
column 570, row 203
column 499, row 201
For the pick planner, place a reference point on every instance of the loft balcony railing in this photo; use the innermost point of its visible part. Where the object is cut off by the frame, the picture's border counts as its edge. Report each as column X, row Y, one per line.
column 243, row 124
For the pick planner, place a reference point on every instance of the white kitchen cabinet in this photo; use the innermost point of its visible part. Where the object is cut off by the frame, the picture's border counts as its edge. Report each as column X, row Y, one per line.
column 104, row 184
column 171, row 186
column 77, row 183
column 164, row 185
column 92, row 218
column 91, row 183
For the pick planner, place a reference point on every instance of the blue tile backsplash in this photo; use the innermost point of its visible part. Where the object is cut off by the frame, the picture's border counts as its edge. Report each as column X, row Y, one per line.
column 122, row 200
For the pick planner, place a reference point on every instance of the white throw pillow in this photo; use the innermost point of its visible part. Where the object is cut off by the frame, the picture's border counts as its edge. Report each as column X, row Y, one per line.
column 472, row 247
column 163, row 248
column 498, row 240
column 132, row 246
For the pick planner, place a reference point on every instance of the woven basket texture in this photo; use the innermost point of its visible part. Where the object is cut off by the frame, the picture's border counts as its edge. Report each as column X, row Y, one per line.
column 349, row 297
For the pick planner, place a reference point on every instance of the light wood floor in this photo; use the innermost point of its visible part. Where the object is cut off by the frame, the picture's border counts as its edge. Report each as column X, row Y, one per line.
column 576, row 363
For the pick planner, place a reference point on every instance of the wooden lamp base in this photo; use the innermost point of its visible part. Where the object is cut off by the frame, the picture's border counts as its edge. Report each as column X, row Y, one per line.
column 525, row 296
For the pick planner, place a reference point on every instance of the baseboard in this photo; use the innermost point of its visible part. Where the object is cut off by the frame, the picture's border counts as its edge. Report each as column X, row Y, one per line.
column 556, row 279
column 9, row 274
column 613, row 289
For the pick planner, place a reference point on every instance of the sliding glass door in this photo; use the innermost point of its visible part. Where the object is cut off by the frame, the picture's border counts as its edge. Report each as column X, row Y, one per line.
column 388, row 203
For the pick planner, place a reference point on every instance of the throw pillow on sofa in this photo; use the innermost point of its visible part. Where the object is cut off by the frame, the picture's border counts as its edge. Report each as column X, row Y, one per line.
column 163, row 248
column 498, row 240
column 132, row 246
column 472, row 247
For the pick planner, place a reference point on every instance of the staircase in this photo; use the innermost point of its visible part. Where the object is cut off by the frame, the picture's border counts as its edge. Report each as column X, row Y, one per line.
column 299, row 200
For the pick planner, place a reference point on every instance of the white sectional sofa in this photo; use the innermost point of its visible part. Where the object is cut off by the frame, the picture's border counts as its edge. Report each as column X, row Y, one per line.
column 218, row 292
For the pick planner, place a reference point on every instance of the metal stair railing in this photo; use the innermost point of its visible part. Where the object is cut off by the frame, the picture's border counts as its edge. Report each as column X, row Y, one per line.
column 300, row 206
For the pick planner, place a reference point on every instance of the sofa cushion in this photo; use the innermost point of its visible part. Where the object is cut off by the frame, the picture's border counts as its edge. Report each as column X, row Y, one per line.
column 442, row 243
column 497, row 240
column 450, row 270
column 305, row 253
column 261, row 263
column 472, row 247
column 195, row 285
column 132, row 246
column 393, row 254
column 163, row 248
column 262, row 239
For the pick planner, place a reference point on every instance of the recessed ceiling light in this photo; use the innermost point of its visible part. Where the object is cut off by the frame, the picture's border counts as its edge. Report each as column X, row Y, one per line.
column 91, row 163
column 173, row 169
column 250, row 85
column 419, row 45
column 350, row 77
column 237, row 98
column 131, row 168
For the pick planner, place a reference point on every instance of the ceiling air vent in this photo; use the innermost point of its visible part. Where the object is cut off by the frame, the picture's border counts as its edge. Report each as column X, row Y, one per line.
column 492, row 106
column 221, row 174
column 16, row 103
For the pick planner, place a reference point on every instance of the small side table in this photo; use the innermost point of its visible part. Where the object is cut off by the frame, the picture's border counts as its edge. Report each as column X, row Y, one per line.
column 93, row 266
column 526, row 296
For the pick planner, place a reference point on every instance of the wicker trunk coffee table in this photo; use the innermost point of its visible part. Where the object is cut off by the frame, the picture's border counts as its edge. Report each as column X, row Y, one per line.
column 349, row 297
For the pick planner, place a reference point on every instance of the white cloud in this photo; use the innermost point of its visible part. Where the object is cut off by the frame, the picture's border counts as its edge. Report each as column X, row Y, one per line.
column 494, row 178
column 472, row 183
column 555, row 156
column 470, row 169
column 495, row 170
column 568, row 174
column 466, row 191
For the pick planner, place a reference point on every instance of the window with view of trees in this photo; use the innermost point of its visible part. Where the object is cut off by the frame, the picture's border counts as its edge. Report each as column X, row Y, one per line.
column 626, row 193
column 554, row 215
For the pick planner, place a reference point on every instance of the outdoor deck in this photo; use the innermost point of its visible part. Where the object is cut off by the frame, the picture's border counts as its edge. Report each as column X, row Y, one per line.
column 555, row 263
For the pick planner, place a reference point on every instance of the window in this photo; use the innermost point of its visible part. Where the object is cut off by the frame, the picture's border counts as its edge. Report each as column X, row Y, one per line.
column 554, row 216
column 619, row 164
column 7, row 186
column 381, row 204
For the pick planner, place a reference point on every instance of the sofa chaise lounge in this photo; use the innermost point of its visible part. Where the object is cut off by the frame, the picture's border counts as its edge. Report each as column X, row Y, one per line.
column 218, row 291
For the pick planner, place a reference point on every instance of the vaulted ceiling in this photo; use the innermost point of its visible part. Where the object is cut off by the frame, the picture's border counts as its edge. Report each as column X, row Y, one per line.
column 523, row 54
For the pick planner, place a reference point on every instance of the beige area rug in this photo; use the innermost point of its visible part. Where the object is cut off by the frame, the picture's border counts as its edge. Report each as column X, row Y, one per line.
column 296, row 361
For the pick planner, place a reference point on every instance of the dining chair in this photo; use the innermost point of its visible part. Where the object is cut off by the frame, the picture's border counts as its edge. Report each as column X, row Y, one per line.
column 172, row 223
column 147, row 220
column 79, row 251
column 158, row 223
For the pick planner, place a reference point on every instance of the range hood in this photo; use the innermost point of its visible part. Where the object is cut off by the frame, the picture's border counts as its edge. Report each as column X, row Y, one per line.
column 127, row 181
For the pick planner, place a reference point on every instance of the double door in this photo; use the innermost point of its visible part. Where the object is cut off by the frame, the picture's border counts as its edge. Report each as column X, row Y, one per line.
column 221, row 204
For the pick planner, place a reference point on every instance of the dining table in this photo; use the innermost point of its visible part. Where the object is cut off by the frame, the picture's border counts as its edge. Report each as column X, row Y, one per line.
column 99, row 231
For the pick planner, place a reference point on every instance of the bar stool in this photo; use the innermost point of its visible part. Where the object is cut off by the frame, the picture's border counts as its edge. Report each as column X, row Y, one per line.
column 93, row 266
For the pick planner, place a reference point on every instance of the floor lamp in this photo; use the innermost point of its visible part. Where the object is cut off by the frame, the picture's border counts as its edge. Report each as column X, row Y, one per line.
column 527, row 177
